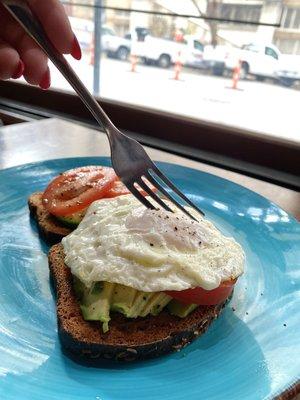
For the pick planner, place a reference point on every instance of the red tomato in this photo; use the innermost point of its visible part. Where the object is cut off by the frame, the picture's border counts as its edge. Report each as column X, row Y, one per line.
column 77, row 188
column 118, row 189
column 204, row 297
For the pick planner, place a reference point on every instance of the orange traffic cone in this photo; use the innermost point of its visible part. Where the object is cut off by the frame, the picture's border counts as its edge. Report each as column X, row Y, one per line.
column 92, row 52
column 177, row 67
column 133, row 59
column 236, row 75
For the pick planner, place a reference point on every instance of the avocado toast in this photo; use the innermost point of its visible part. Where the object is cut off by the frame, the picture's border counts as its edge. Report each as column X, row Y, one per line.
column 127, row 339
column 131, row 282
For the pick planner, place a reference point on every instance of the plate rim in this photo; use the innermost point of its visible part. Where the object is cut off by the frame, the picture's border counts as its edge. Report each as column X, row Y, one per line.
column 244, row 188
column 293, row 389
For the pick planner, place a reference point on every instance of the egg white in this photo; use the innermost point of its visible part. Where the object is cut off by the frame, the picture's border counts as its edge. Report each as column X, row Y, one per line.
column 121, row 241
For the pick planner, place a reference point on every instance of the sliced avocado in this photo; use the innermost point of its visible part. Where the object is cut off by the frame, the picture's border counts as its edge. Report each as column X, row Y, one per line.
column 72, row 220
column 155, row 304
column 179, row 309
column 83, row 292
column 95, row 304
column 140, row 301
column 122, row 299
column 97, row 301
column 79, row 288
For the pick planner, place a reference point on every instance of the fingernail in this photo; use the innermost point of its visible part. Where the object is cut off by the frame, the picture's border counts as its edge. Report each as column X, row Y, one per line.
column 19, row 71
column 76, row 50
column 46, row 80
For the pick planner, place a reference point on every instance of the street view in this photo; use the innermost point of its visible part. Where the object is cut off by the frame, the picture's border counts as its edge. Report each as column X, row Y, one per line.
column 245, row 75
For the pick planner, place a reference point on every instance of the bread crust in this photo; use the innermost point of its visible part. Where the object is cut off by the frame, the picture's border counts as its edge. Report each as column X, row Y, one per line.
column 49, row 227
column 127, row 339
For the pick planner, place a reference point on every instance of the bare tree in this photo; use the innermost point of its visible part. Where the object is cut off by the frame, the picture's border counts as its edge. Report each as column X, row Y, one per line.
column 212, row 10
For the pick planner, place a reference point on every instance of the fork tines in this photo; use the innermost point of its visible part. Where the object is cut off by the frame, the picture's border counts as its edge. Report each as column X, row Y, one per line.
column 152, row 177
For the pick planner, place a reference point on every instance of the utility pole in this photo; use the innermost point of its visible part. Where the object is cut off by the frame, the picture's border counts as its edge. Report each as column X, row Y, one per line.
column 97, row 45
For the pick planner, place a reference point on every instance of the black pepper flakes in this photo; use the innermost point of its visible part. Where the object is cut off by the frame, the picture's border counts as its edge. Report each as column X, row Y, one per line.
column 144, row 298
column 175, row 229
column 233, row 309
column 151, row 244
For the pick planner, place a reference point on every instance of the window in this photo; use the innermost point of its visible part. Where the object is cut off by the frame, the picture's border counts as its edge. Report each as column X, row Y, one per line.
column 288, row 46
column 271, row 52
column 199, row 83
column 244, row 12
column 108, row 31
column 198, row 45
column 252, row 47
column 291, row 18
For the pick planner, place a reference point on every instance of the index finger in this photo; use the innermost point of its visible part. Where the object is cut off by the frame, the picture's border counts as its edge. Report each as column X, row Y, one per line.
column 53, row 17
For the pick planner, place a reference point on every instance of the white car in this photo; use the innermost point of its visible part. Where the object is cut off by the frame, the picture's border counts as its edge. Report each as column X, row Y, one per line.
column 214, row 59
column 257, row 59
column 288, row 70
column 164, row 52
column 115, row 46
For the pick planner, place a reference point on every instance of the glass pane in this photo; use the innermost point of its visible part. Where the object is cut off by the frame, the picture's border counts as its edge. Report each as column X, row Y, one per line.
column 288, row 18
column 297, row 19
column 270, row 52
column 207, row 70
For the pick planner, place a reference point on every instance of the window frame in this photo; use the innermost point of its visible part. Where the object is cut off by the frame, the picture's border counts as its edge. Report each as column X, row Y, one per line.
column 250, row 153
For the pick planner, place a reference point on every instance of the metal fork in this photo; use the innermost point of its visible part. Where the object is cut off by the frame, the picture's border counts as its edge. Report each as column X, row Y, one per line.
column 129, row 159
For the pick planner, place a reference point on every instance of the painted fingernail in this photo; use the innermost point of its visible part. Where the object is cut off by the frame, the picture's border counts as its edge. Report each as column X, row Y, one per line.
column 46, row 80
column 76, row 50
column 19, row 71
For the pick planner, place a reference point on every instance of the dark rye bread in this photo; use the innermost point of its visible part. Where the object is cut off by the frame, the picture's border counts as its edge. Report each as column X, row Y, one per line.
column 51, row 230
column 127, row 339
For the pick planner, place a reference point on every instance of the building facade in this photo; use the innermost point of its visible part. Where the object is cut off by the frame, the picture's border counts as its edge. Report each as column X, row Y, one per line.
column 285, row 12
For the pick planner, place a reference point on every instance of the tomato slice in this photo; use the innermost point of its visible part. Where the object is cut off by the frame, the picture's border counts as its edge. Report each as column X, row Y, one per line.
column 204, row 297
column 118, row 189
column 77, row 188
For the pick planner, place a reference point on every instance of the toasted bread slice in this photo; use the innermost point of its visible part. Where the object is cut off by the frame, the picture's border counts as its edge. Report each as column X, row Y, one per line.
column 49, row 227
column 127, row 339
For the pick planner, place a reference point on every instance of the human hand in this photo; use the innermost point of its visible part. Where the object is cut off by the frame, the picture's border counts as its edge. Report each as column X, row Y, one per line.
column 20, row 55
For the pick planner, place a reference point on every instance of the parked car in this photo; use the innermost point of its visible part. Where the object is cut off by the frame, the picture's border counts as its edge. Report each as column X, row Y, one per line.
column 256, row 59
column 214, row 59
column 115, row 46
column 84, row 30
column 288, row 70
column 164, row 52
column 111, row 44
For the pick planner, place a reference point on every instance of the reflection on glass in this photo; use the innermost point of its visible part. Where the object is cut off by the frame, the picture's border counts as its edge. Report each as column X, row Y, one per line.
column 222, row 72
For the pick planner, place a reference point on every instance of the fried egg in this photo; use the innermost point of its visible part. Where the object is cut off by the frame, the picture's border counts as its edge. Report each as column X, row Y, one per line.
column 121, row 241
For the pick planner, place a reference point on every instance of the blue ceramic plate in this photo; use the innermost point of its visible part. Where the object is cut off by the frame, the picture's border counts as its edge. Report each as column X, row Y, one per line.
column 251, row 352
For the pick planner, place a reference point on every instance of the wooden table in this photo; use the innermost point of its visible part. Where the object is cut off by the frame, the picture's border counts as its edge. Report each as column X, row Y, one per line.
column 53, row 138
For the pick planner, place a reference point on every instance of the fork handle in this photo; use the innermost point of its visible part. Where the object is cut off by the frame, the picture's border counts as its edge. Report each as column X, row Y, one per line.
column 22, row 13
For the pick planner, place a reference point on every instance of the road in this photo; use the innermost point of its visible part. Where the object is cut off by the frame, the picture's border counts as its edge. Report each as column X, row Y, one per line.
column 264, row 108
